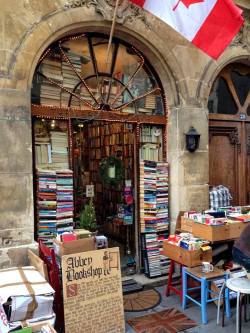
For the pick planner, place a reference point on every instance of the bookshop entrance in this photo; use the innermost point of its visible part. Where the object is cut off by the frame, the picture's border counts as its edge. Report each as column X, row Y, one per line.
column 104, row 178
column 99, row 134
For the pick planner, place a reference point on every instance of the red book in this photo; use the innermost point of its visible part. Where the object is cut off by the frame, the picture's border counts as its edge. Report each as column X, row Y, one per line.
column 68, row 237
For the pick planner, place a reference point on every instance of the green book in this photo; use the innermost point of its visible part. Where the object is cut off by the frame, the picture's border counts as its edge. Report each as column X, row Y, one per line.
column 24, row 330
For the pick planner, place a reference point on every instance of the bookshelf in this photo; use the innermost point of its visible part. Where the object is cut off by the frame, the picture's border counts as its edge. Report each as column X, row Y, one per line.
column 151, row 143
column 94, row 142
column 154, row 220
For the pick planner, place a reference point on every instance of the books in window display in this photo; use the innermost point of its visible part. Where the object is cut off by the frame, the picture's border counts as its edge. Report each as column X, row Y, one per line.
column 50, row 93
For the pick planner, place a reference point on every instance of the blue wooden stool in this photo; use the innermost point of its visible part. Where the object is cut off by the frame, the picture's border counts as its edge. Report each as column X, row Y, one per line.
column 207, row 295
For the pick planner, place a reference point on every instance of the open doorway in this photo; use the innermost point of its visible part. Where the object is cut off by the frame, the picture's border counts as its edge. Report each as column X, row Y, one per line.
column 104, row 169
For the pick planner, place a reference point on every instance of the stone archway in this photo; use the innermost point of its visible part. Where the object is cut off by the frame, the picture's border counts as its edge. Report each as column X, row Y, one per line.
column 15, row 80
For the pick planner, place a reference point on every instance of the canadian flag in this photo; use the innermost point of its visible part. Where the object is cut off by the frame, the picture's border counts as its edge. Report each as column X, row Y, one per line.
column 208, row 24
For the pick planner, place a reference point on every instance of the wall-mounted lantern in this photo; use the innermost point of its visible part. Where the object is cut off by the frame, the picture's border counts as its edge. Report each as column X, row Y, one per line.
column 192, row 140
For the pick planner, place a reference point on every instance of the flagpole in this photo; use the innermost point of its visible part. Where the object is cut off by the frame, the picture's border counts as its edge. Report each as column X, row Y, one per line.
column 111, row 32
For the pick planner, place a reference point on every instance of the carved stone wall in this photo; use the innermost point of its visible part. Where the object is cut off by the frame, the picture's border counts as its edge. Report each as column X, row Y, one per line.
column 28, row 27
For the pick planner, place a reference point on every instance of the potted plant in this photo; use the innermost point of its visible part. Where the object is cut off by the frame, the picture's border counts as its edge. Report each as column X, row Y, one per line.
column 88, row 217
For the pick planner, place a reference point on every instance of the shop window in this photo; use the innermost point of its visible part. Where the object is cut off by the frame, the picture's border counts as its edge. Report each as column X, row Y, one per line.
column 220, row 100
column 241, row 83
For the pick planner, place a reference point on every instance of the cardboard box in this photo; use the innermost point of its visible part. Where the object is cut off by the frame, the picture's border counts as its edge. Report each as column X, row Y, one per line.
column 76, row 246
column 33, row 323
column 35, row 328
column 186, row 257
column 187, row 224
column 29, row 294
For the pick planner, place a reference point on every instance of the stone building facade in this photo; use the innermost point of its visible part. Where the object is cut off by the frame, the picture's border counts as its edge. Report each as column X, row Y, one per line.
column 28, row 27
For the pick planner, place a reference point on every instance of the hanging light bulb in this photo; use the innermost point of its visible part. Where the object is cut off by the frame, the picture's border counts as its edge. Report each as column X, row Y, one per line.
column 53, row 124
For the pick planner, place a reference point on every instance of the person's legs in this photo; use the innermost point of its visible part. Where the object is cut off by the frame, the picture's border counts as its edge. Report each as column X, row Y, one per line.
column 241, row 259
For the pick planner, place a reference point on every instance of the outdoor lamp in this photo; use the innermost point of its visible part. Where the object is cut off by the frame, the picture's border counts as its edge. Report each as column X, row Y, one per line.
column 192, row 140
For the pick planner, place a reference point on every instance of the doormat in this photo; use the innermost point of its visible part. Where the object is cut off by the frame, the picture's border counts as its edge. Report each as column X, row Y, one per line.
column 167, row 321
column 142, row 300
column 131, row 286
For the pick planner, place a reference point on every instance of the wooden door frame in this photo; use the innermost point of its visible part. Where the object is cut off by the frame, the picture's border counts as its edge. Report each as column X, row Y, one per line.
column 236, row 131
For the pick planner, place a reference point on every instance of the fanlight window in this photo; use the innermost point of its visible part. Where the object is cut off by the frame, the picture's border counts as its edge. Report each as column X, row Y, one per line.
column 231, row 91
column 79, row 72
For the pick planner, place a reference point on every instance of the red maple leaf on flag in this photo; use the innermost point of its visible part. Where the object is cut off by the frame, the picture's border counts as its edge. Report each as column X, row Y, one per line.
column 186, row 3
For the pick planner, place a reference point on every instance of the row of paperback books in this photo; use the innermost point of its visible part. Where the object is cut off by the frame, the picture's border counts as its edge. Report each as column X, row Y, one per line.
column 154, row 220
column 55, row 206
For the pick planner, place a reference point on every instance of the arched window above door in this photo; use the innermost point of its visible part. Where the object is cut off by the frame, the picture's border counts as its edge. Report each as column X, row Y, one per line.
column 230, row 94
column 80, row 72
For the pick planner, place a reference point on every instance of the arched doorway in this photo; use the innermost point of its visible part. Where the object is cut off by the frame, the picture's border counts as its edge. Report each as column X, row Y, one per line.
column 91, row 108
column 229, row 131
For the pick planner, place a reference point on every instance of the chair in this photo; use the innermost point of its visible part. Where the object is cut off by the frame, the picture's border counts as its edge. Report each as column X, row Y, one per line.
column 241, row 286
column 48, row 256
column 204, row 279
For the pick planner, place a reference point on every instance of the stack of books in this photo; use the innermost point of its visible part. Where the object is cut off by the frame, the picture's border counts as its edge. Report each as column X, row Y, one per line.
column 150, row 102
column 46, row 205
column 59, row 147
column 154, row 220
column 42, row 152
column 164, row 261
column 51, row 94
column 162, row 196
column 152, row 256
column 70, row 79
column 147, row 195
column 55, row 207
column 149, row 105
column 65, row 205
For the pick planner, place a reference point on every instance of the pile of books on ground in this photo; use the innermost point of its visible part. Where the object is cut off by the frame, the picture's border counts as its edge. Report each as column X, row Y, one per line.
column 154, row 218
column 154, row 196
column 151, row 258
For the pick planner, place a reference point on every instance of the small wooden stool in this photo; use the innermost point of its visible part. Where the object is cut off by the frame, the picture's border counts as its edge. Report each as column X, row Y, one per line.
column 204, row 279
column 170, row 286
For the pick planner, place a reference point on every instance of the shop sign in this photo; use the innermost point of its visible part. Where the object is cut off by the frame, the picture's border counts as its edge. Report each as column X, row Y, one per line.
column 92, row 292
